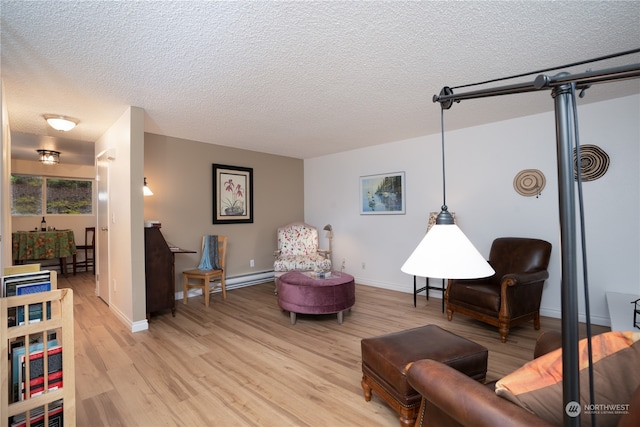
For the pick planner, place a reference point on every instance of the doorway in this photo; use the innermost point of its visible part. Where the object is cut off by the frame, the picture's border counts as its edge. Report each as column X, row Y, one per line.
column 103, row 289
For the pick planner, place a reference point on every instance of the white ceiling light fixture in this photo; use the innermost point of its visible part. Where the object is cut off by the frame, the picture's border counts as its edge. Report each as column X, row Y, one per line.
column 61, row 123
column 49, row 157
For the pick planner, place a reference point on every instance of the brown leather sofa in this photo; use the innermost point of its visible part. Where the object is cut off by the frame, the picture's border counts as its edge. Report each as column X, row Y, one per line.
column 450, row 398
column 513, row 294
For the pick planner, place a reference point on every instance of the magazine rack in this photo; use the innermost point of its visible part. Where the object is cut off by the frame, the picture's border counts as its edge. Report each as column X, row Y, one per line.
column 36, row 408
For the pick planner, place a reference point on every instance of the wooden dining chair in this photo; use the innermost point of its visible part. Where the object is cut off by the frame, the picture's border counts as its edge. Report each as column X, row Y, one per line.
column 89, row 249
column 203, row 278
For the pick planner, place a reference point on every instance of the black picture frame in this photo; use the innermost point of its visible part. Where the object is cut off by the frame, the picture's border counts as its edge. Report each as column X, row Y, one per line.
column 232, row 194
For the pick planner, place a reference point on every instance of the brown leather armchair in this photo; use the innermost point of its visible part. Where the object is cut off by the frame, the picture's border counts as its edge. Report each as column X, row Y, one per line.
column 512, row 295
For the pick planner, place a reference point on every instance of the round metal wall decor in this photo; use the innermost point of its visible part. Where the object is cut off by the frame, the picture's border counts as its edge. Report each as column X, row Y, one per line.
column 529, row 182
column 594, row 162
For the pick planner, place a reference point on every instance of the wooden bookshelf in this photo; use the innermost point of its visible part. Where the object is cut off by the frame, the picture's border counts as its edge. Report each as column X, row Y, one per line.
column 57, row 316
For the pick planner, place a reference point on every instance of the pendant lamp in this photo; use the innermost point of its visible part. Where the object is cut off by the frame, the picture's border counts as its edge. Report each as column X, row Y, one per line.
column 445, row 252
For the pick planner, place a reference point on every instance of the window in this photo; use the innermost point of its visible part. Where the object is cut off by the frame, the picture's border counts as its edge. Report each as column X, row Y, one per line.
column 68, row 196
column 26, row 195
column 35, row 195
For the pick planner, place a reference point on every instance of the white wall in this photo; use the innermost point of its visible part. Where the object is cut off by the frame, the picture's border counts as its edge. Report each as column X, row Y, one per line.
column 126, row 225
column 5, row 181
column 481, row 163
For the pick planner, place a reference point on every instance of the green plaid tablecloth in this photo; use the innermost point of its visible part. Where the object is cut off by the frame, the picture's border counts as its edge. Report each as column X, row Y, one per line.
column 38, row 245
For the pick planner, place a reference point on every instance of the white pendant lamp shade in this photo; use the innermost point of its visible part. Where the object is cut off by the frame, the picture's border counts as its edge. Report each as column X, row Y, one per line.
column 446, row 253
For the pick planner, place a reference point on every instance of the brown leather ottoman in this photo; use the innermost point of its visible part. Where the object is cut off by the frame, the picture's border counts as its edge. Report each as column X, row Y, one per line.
column 384, row 359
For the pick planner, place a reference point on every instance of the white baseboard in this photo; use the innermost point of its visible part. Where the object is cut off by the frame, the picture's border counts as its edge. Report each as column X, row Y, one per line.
column 138, row 326
column 232, row 283
column 141, row 325
column 408, row 288
column 236, row 282
column 596, row 320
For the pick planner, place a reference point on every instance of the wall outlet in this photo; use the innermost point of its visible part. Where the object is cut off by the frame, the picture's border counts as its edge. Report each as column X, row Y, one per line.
column 252, row 263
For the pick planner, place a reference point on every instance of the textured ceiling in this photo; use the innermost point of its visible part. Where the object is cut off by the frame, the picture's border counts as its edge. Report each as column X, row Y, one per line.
column 299, row 79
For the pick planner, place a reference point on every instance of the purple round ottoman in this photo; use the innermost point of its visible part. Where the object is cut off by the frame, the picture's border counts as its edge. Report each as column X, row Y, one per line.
column 299, row 293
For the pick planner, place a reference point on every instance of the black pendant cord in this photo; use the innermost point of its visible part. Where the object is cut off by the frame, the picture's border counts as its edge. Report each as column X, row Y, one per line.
column 583, row 242
column 444, row 187
column 587, row 61
column 444, row 217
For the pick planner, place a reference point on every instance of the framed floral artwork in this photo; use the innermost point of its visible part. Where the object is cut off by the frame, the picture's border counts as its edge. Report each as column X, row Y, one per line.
column 382, row 194
column 232, row 194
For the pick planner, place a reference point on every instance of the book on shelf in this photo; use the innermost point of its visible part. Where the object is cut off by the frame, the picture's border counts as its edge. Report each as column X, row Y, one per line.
column 36, row 416
column 37, row 387
column 35, row 310
column 17, row 357
column 32, row 288
column 37, row 372
column 12, row 281
column 24, row 284
column 33, row 376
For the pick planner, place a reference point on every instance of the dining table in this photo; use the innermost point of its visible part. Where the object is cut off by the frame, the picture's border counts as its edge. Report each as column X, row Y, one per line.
column 44, row 245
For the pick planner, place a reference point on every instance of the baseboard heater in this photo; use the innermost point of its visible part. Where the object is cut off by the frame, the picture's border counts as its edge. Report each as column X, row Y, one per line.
column 236, row 282
column 250, row 279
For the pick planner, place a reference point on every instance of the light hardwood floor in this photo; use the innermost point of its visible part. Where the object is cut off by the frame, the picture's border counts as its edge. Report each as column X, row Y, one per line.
column 241, row 363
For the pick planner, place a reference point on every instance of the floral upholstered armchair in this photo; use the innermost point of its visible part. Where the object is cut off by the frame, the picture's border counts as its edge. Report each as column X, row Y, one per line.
column 298, row 250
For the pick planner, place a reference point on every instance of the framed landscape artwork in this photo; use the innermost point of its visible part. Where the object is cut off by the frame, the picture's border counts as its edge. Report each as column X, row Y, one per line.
column 232, row 194
column 382, row 194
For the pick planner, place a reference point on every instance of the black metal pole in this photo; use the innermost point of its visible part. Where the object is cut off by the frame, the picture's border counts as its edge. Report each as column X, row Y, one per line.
column 563, row 97
column 447, row 98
